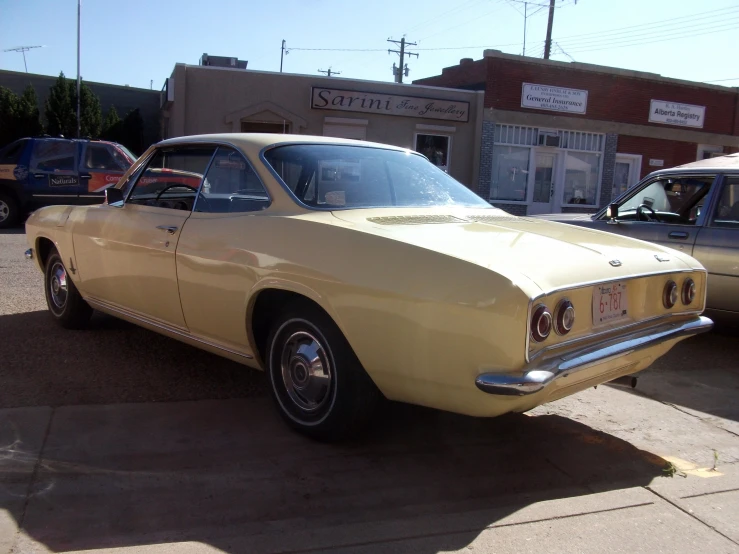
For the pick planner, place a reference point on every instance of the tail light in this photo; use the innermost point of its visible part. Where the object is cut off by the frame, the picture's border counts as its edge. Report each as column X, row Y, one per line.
column 564, row 317
column 669, row 295
column 541, row 323
column 688, row 292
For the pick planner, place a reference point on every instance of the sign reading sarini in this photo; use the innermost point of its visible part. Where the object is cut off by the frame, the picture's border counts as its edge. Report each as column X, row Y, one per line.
column 672, row 113
column 558, row 99
column 389, row 104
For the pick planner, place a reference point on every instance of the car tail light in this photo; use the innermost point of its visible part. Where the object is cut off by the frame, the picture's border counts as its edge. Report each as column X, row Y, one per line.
column 564, row 317
column 541, row 323
column 688, row 293
column 669, row 295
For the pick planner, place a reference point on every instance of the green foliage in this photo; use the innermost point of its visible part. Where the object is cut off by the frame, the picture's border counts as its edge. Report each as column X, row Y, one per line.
column 19, row 115
column 112, row 126
column 61, row 117
column 132, row 132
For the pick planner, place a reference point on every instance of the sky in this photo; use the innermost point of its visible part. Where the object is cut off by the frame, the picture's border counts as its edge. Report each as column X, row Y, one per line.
column 138, row 42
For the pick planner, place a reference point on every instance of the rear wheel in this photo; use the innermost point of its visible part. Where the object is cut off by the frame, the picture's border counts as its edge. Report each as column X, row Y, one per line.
column 9, row 211
column 317, row 382
column 65, row 303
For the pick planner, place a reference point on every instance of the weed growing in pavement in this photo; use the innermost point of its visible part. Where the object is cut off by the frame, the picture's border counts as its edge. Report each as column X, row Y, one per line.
column 670, row 470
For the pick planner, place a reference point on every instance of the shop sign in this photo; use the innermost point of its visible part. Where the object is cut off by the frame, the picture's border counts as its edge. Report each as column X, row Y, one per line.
column 558, row 99
column 656, row 163
column 672, row 113
column 389, row 104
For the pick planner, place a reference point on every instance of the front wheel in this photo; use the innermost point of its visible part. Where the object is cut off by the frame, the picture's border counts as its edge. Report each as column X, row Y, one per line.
column 320, row 387
column 65, row 303
column 10, row 212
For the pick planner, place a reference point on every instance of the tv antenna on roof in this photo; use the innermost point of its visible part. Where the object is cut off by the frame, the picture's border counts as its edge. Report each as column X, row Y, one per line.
column 23, row 50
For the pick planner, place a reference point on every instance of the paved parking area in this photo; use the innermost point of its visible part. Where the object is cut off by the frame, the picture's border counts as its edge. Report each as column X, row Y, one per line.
column 116, row 439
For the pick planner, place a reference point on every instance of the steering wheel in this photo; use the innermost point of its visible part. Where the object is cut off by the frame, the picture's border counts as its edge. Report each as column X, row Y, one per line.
column 640, row 210
column 182, row 185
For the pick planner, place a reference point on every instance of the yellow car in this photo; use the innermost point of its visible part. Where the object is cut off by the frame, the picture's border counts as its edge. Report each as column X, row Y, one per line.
column 351, row 271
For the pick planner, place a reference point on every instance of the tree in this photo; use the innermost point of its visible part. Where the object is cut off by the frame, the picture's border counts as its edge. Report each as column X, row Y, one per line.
column 132, row 135
column 28, row 116
column 91, row 116
column 61, row 118
column 112, row 126
column 8, row 116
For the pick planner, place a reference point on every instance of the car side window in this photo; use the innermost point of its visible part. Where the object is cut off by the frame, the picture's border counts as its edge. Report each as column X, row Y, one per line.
column 669, row 199
column 101, row 157
column 172, row 178
column 727, row 210
column 53, row 156
column 231, row 185
column 12, row 154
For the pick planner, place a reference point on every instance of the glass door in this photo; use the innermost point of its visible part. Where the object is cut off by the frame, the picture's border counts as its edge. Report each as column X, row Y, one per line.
column 543, row 185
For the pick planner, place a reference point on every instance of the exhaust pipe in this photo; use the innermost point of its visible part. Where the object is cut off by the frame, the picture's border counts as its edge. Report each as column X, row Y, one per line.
column 627, row 381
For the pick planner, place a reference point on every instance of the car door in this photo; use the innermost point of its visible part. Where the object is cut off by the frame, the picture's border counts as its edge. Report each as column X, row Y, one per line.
column 667, row 210
column 53, row 176
column 101, row 166
column 215, row 266
column 717, row 248
column 126, row 252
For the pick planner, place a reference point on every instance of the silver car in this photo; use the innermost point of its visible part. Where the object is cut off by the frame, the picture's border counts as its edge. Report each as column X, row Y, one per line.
column 693, row 208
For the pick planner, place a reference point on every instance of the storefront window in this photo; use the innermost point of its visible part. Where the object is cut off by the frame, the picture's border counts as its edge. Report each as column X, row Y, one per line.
column 581, row 178
column 510, row 173
column 435, row 148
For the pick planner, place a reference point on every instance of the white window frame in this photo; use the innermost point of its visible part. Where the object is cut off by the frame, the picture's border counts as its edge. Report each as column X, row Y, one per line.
column 707, row 148
column 636, row 169
column 436, row 134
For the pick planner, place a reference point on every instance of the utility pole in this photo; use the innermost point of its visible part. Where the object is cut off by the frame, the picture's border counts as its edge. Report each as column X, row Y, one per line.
column 403, row 69
column 79, row 8
column 329, row 72
column 22, row 50
column 548, row 43
column 282, row 53
column 525, row 17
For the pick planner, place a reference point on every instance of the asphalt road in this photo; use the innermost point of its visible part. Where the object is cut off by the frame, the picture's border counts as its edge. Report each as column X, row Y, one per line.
column 116, row 439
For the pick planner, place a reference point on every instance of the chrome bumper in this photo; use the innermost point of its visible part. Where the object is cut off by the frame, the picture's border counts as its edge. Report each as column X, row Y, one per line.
column 545, row 373
column 28, row 254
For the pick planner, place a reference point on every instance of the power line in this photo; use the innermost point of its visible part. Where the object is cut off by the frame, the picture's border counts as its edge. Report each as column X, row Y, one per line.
column 401, row 70
column 440, row 16
column 722, row 80
column 329, row 72
column 477, row 18
column 339, row 49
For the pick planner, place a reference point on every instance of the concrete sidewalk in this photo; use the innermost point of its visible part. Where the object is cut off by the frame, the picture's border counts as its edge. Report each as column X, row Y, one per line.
column 227, row 476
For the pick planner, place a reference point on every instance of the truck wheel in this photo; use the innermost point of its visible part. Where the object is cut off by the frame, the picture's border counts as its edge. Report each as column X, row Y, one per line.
column 317, row 382
column 65, row 303
column 9, row 211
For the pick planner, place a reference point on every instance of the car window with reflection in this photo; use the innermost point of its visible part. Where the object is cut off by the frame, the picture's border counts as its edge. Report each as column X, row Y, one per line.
column 669, row 200
column 343, row 176
column 727, row 210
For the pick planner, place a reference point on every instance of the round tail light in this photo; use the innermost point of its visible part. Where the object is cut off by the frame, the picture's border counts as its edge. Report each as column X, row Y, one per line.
column 564, row 317
column 541, row 323
column 688, row 293
column 669, row 295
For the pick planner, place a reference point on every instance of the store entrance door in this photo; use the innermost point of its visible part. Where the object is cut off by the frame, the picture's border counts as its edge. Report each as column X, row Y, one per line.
column 543, row 197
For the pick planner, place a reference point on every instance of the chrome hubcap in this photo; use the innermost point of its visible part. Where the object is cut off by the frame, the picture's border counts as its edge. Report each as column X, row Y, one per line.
column 306, row 371
column 4, row 211
column 58, row 285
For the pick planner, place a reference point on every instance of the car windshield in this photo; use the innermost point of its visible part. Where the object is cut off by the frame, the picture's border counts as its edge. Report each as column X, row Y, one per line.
column 343, row 176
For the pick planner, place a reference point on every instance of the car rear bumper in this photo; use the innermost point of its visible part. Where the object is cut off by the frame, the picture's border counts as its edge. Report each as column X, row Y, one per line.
column 544, row 374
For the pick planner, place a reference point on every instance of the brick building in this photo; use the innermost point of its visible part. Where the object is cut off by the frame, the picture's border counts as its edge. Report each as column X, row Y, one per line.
column 559, row 136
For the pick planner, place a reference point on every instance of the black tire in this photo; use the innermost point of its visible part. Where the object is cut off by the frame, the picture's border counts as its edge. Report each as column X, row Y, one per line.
column 10, row 212
column 344, row 403
column 65, row 303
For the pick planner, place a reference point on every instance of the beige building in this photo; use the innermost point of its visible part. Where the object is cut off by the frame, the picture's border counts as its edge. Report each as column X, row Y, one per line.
column 443, row 124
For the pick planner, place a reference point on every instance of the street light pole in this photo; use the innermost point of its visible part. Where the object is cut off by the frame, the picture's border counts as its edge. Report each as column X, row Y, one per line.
column 79, row 8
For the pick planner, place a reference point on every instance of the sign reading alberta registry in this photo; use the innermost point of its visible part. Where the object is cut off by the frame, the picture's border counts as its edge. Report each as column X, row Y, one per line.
column 558, row 99
column 672, row 113
column 388, row 104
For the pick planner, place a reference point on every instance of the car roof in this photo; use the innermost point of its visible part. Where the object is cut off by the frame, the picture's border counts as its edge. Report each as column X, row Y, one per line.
column 261, row 140
column 720, row 163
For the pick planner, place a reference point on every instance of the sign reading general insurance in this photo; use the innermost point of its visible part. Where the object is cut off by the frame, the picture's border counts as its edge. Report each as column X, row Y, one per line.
column 672, row 113
column 557, row 99
column 389, row 104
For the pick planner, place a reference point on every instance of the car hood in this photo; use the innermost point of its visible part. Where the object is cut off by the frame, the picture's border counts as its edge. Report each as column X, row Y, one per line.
column 551, row 255
column 564, row 217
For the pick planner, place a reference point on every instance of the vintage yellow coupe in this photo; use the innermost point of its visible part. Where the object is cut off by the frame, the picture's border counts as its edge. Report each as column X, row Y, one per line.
column 349, row 271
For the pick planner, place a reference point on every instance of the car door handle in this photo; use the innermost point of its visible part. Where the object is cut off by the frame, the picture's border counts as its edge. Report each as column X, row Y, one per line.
column 678, row 235
column 170, row 230
column 39, row 175
column 85, row 176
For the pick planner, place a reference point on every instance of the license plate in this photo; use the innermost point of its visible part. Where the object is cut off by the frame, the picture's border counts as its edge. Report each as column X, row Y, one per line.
column 610, row 303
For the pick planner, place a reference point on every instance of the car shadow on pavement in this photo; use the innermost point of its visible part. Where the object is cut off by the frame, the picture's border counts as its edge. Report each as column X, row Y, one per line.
column 699, row 374
column 229, row 474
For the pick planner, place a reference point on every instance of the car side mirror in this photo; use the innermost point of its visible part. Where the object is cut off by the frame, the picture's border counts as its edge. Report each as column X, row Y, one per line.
column 113, row 195
column 612, row 213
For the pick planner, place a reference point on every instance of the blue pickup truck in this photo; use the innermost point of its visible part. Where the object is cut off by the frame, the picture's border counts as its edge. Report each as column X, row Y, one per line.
column 41, row 171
